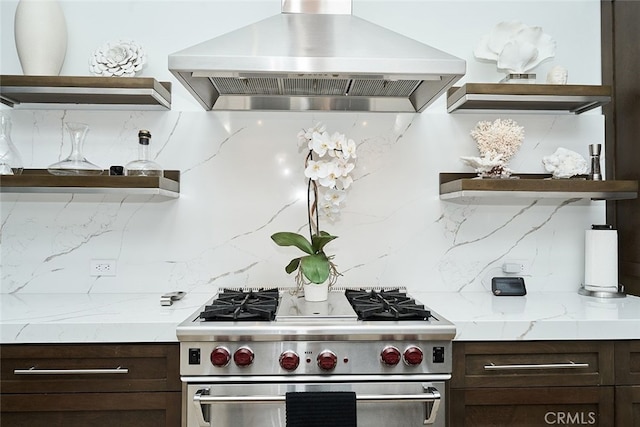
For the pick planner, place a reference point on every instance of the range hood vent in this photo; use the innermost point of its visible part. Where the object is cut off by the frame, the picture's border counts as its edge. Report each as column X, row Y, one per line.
column 315, row 56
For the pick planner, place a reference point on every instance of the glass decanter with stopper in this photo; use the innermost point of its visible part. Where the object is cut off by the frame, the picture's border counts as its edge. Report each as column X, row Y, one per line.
column 143, row 166
column 10, row 160
column 76, row 163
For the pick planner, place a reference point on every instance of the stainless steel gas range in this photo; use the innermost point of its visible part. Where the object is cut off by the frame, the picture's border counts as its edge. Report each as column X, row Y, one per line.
column 245, row 354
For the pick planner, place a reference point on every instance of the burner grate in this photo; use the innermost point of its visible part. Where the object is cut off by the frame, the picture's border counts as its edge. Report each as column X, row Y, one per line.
column 232, row 305
column 385, row 305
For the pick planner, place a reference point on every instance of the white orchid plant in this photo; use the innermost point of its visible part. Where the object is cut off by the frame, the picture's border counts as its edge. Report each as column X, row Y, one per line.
column 329, row 162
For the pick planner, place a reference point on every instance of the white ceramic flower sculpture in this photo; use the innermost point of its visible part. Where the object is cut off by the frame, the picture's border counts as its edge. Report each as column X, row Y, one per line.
column 123, row 58
column 565, row 163
column 515, row 47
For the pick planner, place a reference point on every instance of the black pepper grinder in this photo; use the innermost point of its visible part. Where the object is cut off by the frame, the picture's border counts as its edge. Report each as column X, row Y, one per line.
column 594, row 152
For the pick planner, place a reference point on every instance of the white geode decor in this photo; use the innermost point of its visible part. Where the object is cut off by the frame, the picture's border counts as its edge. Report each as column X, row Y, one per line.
column 515, row 47
column 497, row 142
column 123, row 58
column 565, row 163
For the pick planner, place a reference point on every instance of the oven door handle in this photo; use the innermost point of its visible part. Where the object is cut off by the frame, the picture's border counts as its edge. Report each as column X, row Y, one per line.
column 430, row 396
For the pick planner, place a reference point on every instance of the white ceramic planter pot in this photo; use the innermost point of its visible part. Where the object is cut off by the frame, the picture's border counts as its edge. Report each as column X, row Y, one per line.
column 41, row 36
column 316, row 292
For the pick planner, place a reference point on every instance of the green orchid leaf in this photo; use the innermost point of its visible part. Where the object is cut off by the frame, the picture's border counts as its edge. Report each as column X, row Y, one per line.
column 292, row 266
column 315, row 267
column 319, row 241
column 293, row 239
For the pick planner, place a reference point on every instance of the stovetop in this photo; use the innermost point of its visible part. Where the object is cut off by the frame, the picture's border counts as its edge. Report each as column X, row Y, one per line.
column 351, row 314
column 266, row 305
column 233, row 305
column 392, row 304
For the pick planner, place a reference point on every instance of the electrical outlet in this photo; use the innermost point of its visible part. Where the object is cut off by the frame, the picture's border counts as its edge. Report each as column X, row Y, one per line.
column 103, row 267
column 519, row 267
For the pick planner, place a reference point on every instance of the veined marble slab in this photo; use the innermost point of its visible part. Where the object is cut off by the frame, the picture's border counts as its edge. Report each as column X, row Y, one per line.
column 480, row 316
column 73, row 318
column 77, row 318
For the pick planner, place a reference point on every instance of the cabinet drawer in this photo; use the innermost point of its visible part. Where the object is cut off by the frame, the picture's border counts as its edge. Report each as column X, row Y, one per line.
column 89, row 368
column 628, row 362
column 92, row 409
column 627, row 406
column 540, row 406
column 531, row 364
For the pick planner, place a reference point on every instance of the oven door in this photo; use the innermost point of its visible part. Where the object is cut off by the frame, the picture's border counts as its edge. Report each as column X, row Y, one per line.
column 401, row 404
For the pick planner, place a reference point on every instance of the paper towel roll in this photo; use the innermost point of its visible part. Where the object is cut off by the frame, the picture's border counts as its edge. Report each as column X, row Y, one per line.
column 601, row 260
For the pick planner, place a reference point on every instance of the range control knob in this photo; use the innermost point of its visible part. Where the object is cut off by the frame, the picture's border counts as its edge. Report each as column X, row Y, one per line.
column 327, row 360
column 220, row 356
column 413, row 356
column 390, row 355
column 243, row 356
column 289, row 360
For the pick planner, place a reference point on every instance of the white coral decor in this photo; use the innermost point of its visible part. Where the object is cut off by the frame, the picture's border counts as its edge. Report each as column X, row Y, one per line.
column 488, row 167
column 502, row 137
column 497, row 142
column 123, row 58
column 565, row 163
column 515, row 47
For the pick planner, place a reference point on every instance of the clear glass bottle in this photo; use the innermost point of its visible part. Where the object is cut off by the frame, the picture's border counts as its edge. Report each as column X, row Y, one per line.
column 75, row 164
column 10, row 160
column 143, row 166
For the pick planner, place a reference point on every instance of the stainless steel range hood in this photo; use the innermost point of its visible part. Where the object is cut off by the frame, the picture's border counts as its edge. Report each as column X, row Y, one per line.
column 317, row 56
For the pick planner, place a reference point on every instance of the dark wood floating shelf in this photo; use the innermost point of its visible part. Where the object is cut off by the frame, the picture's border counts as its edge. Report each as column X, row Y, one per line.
column 463, row 185
column 99, row 92
column 536, row 97
column 41, row 181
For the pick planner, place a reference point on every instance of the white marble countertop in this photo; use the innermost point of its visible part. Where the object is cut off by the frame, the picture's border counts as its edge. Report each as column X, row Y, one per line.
column 70, row 318
column 482, row 316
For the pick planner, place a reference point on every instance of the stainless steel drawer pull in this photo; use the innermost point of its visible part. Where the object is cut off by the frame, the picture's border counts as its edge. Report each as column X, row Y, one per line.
column 570, row 365
column 34, row 371
column 431, row 396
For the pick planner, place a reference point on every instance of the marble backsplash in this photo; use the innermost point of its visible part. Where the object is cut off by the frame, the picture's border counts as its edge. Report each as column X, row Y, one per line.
column 242, row 174
column 242, row 180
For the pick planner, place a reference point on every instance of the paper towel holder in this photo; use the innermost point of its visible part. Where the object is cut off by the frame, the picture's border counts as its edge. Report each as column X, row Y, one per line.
column 601, row 294
column 605, row 294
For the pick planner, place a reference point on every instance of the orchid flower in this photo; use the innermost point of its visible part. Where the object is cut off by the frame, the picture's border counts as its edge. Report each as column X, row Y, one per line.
column 326, row 185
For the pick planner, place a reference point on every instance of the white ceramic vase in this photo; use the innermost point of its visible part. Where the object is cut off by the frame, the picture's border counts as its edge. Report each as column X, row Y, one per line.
column 314, row 292
column 41, row 36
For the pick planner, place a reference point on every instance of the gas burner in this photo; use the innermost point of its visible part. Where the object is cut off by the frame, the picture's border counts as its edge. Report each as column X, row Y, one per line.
column 231, row 305
column 385, row 305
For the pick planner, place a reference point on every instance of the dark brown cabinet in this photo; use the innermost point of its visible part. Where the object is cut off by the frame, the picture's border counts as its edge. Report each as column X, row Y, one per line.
column 628, row 406
column 627, row 383
column 542, row 383
column 540, row 406
column 620, row 69
column 90, row 384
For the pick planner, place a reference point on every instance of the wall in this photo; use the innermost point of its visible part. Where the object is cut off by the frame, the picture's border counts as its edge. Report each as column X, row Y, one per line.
column 242, row 174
